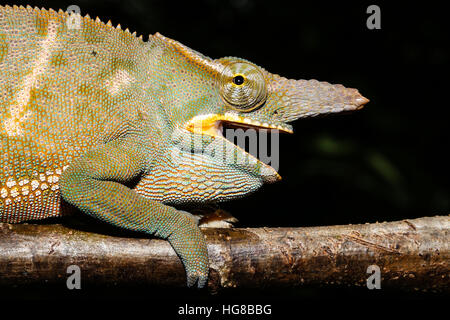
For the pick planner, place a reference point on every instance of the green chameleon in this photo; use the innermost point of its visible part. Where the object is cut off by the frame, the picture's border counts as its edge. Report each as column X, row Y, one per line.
column 122, row 129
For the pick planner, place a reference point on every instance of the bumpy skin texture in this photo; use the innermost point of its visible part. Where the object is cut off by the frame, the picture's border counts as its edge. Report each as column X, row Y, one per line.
column 118, row 127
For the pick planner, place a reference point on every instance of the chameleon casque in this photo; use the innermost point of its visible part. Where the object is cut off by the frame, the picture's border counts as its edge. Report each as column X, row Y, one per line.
column 117, row 127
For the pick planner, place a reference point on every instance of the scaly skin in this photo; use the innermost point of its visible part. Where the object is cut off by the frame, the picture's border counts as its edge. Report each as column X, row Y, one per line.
column 119, row 127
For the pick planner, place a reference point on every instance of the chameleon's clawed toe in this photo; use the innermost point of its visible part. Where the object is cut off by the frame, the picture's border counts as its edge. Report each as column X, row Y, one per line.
column 217, row 219
column 194, row 278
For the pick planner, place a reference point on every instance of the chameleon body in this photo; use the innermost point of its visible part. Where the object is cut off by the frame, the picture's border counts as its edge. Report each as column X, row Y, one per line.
column 118, row 127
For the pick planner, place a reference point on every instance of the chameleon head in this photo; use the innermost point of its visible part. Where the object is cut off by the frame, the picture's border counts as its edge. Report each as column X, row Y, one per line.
column 233, row 92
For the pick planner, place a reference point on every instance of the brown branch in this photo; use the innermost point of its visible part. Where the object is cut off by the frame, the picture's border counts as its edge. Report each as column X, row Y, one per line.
column 412, row 254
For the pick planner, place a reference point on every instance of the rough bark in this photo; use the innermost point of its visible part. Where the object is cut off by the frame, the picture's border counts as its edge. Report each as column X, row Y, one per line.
column 412, row 254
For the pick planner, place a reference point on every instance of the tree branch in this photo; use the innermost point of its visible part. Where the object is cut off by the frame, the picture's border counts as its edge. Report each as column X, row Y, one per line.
column 412, row 254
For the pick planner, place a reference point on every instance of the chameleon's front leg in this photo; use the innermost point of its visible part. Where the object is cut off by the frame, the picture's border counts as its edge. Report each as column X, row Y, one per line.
column 94, row 184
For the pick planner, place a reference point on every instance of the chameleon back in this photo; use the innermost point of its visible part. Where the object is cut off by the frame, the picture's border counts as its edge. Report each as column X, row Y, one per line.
column 62, row 92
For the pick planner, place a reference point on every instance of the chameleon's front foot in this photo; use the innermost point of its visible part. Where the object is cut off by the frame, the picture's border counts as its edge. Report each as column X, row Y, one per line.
column 189, row 243
column 91, row 184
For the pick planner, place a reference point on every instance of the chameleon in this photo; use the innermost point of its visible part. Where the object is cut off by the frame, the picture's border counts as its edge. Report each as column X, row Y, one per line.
column 121, row 129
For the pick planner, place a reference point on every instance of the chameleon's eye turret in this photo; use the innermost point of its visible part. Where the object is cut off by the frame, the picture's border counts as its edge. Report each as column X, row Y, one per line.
column 242, row 86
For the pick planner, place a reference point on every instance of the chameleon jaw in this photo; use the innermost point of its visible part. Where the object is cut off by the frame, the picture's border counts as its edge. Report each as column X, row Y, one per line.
column 213, row 124
column 210, row 124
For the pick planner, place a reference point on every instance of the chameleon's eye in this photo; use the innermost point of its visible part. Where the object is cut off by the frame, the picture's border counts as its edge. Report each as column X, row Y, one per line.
column 238, row 80
column 242, row 86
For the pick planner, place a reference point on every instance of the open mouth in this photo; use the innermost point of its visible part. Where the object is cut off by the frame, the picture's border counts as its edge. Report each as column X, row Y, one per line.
column 212, row 124
column 243, row 133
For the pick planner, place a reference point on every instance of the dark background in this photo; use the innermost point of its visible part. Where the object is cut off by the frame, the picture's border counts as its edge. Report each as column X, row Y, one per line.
column 386, row 162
